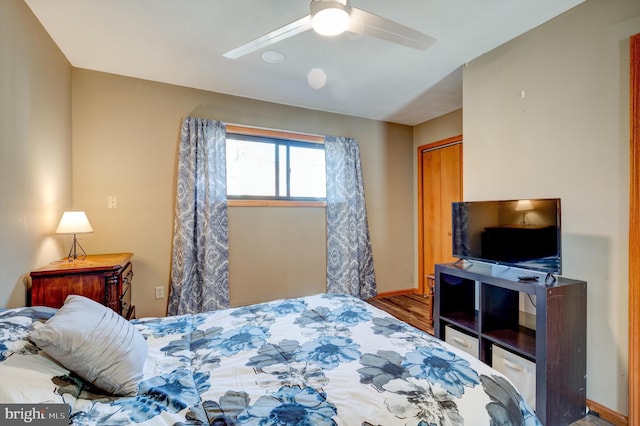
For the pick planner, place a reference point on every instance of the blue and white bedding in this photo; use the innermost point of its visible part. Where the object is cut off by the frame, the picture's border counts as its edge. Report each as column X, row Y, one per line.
column 320, row 360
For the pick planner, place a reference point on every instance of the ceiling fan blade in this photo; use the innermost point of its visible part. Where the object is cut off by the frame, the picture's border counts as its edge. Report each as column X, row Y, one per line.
column 367, row 23
column 296, row 27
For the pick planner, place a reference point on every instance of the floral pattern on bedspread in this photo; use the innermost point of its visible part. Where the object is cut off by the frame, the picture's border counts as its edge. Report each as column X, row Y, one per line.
column 15, row 325
column 320, row 360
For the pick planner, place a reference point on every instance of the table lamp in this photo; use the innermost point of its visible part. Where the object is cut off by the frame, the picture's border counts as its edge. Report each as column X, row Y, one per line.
column 74, row 222
column 524, row 206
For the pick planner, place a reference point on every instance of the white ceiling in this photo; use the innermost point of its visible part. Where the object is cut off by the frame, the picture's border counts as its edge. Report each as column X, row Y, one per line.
column 182, row 41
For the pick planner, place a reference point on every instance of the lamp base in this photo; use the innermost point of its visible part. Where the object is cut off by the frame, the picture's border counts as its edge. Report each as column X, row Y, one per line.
column 73, row 251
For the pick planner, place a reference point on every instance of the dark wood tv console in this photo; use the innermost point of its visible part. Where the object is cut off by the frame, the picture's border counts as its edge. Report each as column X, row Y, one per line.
column 483, row 302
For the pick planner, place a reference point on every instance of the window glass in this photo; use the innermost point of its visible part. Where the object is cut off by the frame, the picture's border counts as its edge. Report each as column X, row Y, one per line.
column 274, row 169
column 307, row 170
column 250, row 168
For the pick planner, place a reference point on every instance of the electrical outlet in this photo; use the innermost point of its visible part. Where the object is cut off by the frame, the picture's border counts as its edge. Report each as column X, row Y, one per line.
column 112, row 202
column 159, row 292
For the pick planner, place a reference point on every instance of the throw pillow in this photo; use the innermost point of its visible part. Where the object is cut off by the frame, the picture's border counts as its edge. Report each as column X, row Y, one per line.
column 96, row 343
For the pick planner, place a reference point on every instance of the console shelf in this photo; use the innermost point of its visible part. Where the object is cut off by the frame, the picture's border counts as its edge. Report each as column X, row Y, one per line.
column 462, row 320
column 522, row 340
column 483, row 301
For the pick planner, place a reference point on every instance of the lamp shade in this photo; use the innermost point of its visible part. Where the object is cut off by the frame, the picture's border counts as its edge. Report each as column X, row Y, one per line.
column 74, row 222
column 329, row 17
column 524, row 205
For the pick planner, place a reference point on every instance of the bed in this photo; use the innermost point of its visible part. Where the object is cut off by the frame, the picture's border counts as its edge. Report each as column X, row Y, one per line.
column 326, row 359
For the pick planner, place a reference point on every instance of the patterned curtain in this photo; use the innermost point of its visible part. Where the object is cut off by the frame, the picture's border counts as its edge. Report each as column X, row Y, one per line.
column 200, row 261
column 349, row 257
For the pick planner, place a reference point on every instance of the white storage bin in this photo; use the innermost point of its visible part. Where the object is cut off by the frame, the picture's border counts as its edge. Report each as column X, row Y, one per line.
column 520, row 371
column 462, row 341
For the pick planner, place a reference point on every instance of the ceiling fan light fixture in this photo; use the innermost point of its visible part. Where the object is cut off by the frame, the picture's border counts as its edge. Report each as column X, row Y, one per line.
column 329, row 17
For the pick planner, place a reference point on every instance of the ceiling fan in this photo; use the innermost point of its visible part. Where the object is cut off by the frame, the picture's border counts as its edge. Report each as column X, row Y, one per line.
column 332, row 17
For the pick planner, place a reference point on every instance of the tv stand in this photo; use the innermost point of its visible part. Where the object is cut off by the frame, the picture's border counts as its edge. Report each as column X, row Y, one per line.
column 484, row 304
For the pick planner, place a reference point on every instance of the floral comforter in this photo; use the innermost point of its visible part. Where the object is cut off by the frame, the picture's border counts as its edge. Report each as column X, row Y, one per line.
column 320, row 360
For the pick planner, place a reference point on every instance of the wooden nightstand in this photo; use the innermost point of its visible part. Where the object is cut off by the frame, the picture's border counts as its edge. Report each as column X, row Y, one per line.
column 105, row 278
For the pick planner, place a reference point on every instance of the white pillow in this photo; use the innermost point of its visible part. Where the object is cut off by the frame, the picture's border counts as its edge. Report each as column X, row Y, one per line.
column 96, row 343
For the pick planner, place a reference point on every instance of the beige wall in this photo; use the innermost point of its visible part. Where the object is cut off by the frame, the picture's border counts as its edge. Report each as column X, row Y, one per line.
column 435, row 130
column 125, row 137
column 568, row 137
column 35, row 148
column 276, row 252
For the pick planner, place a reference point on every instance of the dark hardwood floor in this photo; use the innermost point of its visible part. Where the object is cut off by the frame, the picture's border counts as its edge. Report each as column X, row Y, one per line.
column 415, row 309
column 410, row 308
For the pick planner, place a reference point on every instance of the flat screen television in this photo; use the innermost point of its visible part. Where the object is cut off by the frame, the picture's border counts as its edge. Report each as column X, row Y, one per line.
column 519, row 233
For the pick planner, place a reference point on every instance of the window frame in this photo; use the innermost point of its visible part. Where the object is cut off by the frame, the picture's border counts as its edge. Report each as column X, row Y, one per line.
column 277, row 138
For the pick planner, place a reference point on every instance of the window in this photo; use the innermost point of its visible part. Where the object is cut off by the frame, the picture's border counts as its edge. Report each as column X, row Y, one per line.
column 267, row 166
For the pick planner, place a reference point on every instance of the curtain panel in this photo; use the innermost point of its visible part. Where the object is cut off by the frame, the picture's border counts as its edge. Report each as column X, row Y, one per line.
column 349, row 256
column 200, row 258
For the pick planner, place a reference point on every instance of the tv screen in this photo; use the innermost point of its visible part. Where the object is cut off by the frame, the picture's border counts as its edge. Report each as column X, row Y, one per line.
column 520, row 233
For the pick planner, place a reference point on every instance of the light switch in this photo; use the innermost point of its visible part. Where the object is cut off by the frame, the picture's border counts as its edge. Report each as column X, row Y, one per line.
column 112, row 202
column 159, row 292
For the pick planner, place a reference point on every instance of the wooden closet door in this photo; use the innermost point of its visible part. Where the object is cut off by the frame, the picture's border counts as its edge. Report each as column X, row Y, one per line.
column 431, row 219
column 450, row 190
column 440, row 183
